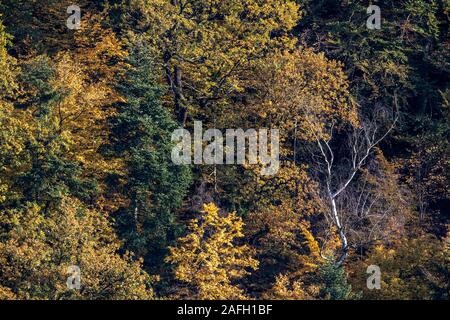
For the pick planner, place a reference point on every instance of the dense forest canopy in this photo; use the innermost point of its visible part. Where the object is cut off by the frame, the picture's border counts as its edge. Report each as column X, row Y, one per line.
column 87, row 178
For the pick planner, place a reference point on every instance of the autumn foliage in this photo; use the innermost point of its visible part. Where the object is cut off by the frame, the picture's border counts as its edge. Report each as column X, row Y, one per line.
column 87, row 180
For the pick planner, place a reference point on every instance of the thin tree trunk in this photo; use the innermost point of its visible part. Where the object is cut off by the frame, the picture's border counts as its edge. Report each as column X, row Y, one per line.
column 342, row 236
column 178, row 91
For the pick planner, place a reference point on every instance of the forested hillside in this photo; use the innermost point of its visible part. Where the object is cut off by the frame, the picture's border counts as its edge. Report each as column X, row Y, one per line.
column 87, row 176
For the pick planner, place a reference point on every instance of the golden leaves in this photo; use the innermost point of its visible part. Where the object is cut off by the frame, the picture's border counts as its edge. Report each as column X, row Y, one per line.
column 208, row 258
column 213, row 42
column 39, row 248
column 302, row 92
column 412, row 268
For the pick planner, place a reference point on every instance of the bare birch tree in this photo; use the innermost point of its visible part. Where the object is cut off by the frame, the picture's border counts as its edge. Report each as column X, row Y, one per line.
column 340, row 164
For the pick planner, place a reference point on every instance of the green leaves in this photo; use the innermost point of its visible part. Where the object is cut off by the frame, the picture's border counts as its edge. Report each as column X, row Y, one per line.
column 154, row 186
column 334, row 282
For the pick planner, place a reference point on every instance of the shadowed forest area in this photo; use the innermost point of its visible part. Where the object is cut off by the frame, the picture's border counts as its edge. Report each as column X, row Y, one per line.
column 87, row 179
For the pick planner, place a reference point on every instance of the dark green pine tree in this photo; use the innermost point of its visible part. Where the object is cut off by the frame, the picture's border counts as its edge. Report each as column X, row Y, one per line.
column 155, row 186
column 334, row 283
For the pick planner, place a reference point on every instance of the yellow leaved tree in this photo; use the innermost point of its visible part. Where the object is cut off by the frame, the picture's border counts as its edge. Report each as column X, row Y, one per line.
column 206, row 45
column 299, row 91
column 411, row 269
column 208, row 259
column 290, row 252
column 37, row 249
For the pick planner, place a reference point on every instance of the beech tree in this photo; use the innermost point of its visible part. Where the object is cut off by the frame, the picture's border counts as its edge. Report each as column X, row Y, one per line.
column 37, row 247
column 205, row 46
column 208, row 258
column 412, row 268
